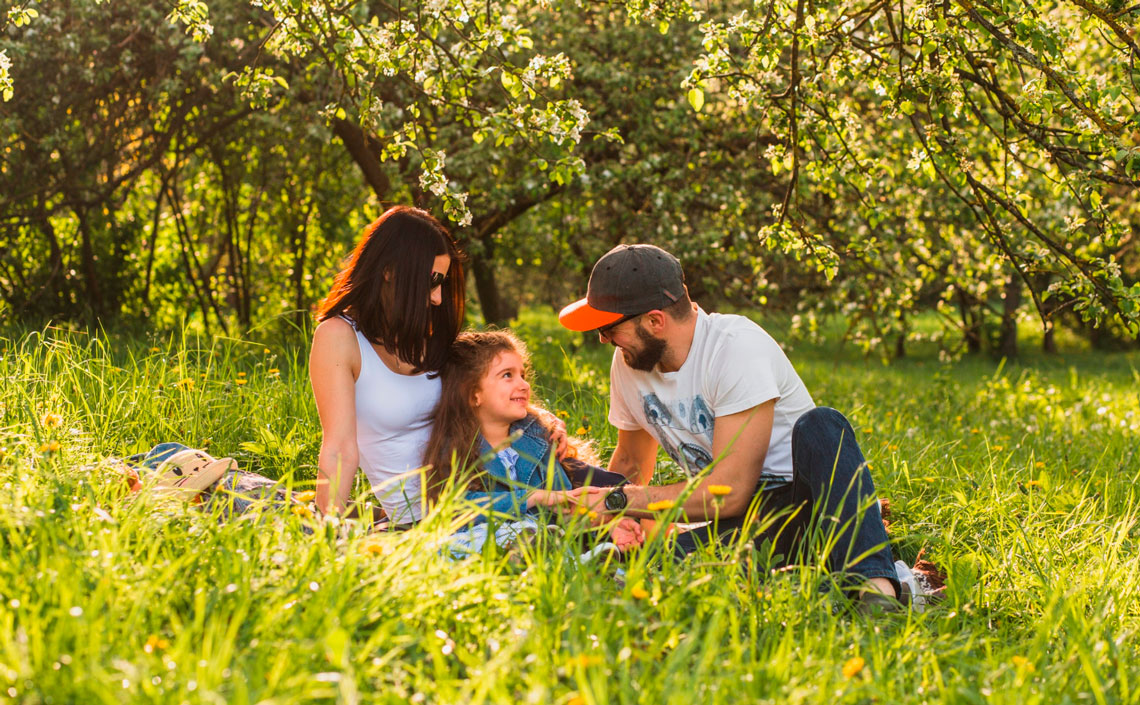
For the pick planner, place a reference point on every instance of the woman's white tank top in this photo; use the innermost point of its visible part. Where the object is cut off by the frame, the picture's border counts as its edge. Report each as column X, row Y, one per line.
column 393, row 423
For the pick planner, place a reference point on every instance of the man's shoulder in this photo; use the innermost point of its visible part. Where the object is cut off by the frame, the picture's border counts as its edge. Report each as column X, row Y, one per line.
column 728, row 331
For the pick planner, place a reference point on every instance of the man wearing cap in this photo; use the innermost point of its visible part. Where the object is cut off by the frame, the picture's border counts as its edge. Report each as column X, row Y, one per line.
column 716, row 390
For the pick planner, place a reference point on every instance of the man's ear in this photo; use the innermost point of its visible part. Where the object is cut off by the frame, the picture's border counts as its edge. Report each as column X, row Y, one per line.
column 655, row 321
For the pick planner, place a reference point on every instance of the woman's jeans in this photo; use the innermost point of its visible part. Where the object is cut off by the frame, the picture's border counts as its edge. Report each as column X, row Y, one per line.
column 830, row 503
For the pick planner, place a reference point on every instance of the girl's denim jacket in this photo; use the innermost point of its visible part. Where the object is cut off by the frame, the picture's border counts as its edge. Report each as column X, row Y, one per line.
column 536, row 458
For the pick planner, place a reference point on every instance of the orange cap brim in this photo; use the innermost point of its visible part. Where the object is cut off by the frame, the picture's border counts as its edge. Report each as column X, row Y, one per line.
column 581, row 316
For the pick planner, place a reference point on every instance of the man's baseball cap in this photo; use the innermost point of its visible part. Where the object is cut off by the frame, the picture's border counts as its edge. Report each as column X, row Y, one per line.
column 627, row 281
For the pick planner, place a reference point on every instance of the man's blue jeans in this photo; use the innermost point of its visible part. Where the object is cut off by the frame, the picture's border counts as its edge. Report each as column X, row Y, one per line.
column 831, row 498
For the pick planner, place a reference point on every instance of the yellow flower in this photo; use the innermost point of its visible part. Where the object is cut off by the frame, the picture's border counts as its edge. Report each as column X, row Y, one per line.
column 1024, row 664
column 592, row 514
column 266, row 351
column 306, row 496
column 50, row 447
column 274, row 372
column 660, row 505
column 188, row 383
column 719, row 490
column 639, row 592
column 50, row 420
column 576, row 700
column 868, row 430
column 581, row 431
column 302, row 511
column 584, row 661
column 1039, row 464
column 155, row 642
column 154, row 350
column 562, row 414
column 1033, row 483
column 203, row 375
column 240, row 382
column 583, row 511
column 853, row 666
column 241, row 374
column 373, row 547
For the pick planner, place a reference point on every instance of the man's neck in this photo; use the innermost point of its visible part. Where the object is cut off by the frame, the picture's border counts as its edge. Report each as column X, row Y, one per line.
column 678, row 345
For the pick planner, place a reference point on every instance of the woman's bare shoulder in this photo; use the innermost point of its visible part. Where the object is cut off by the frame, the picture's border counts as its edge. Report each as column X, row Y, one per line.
column 335, row 330
column 334, row 340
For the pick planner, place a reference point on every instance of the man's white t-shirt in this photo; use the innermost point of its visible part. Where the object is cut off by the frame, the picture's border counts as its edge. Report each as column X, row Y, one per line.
column 733, row 365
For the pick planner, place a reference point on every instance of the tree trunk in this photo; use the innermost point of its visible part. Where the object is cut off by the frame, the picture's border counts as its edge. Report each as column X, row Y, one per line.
column 365, row 151
column 483, row 269
column 900, row 341
column 1007, row 344
column 971, row 322
column 90, row 276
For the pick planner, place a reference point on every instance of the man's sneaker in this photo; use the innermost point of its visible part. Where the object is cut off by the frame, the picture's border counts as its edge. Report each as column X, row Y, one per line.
column 871, row 603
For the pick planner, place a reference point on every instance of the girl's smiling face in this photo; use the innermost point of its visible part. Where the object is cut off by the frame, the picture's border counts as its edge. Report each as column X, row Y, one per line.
column 504, row 393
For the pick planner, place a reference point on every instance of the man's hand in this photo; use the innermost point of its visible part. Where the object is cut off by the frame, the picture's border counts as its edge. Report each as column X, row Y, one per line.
column 627, row 534
column 558, row 436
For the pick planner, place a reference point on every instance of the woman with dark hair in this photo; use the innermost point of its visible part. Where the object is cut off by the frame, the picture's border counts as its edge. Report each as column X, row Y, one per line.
column 384, row 333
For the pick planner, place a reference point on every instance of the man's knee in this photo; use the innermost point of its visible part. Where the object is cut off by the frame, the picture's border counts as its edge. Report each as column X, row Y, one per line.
column 821, row 422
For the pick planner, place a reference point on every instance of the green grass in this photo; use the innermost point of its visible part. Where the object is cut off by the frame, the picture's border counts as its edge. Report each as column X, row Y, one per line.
column 1018, row 479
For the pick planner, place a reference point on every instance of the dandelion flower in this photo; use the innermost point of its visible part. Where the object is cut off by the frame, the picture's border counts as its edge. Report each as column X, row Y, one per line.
column 50, row 447
column 719, row 490
column 50, row 420
column 1023, row 663
column 273, row 372
column 188, row 383
column 154, row 350
column 639, row 592
column 584, row 660
column 581, row 431
column 155, row 643
column 576, row 700
column 240, row 382
column 302, row 511
column 372, row 547
column 306, row 496
column 853, row 666
column 660, row 505
column 241, row 374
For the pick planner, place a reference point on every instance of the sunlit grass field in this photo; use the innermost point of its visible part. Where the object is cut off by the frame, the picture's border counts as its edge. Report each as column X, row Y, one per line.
column 1017, row 479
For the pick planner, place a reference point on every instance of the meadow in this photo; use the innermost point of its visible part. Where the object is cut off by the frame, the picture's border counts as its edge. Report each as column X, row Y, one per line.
column 1016, row 479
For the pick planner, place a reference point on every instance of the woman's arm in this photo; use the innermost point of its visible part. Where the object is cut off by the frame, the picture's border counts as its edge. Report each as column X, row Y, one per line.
column 334, row 364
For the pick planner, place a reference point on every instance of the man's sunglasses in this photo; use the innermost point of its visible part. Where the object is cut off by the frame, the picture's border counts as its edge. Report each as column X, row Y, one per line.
column 438, row 279
column 605, row 330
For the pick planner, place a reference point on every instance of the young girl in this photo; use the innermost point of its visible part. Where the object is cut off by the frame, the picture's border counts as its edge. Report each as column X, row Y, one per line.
column 485, row 415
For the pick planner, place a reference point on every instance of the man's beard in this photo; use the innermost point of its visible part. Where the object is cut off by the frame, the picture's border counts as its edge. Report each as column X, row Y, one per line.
column 652, row 350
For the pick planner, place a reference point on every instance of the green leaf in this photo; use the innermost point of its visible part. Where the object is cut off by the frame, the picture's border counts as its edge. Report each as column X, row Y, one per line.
column 906, row 107
column 696, row 98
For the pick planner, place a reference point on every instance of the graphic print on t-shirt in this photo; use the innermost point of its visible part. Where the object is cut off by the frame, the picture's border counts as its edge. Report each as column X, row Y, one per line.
column 672, row 423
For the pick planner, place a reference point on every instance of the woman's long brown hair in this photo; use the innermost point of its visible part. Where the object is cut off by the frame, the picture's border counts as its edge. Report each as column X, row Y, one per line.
column 385, row 288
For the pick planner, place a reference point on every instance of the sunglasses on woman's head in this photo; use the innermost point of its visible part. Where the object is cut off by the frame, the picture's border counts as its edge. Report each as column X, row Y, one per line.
column 438, row 279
